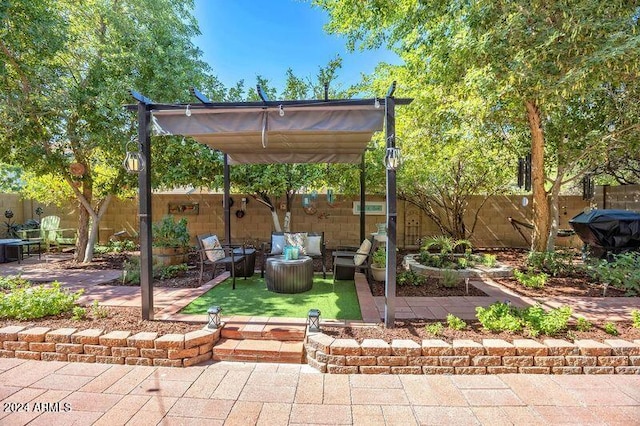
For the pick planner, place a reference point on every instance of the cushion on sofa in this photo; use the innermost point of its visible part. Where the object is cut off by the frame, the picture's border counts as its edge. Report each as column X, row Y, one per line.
column 298, row 240
column 277, row 243
column 365, row 247
column 212, row 248
column 314, row 245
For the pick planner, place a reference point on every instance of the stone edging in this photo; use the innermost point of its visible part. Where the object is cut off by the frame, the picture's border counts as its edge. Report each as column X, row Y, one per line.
column 492, row 356
column 116, row 347
column 499, row 270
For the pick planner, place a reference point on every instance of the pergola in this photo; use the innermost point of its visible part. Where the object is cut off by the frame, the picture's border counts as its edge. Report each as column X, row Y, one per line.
column 293, row 131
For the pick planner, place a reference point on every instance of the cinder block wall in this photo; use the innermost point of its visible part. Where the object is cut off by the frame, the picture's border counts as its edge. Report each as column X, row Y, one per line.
column 624, row 197
column 340, row 225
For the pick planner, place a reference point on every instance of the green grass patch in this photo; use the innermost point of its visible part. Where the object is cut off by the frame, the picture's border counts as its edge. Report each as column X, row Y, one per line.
column 251, row 297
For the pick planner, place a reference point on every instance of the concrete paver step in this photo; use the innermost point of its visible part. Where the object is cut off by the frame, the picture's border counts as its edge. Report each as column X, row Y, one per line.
column 264, row 328
column 251, row 350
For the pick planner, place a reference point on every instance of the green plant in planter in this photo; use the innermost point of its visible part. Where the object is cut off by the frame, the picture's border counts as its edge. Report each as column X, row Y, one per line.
column 379, row 257
column 446, row 247
column 169, row 233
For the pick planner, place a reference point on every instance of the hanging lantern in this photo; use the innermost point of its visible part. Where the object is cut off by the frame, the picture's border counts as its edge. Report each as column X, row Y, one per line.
column 133, row 162
column 392, row 158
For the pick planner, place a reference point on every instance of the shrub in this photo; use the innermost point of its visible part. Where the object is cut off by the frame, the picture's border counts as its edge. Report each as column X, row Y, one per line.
column 115, row 247
column 538, row 321
column 446, row 247
column 530, row 279
column 499, row 317
column 131, row 273
column 169, row 233
column 165, row 272
column 79, row 313
column 553, row 262
column 583, row 324
column 30, row 302
column 610, row 328
column 11, row 282
column 635, row 317
column 503, row 317
column 449, row 279
column 455, row 323
column 435, row 328
column 489, row 260
column 410, row 278
column 622, row 272
column 99, row 311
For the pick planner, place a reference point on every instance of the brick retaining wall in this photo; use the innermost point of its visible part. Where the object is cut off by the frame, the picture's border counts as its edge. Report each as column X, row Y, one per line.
column 116, row 347
column 492, row 356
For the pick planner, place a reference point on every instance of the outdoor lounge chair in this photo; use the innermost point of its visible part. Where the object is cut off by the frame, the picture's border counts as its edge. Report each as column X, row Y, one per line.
column 51, row 234
column 347, row 262
column 212, row 253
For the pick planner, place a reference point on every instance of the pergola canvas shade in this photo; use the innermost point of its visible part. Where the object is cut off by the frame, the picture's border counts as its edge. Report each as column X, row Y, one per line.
column 303, row 131
column 291, row 134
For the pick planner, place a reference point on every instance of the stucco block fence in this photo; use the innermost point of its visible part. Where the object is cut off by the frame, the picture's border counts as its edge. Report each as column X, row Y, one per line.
column 492, row 356
column 115, row 347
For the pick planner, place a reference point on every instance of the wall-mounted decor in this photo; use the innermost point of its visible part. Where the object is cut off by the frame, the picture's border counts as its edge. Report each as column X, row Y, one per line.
column 184, row 208
column 371, row 208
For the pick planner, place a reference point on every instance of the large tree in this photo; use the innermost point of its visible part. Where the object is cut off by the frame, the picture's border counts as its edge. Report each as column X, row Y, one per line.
column 67, row 68
column 528, row 59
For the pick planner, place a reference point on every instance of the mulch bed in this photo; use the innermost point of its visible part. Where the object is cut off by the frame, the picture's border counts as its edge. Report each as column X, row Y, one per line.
column 130, row 318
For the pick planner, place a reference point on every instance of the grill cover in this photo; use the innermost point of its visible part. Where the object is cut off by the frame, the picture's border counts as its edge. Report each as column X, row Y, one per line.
column 612, row 230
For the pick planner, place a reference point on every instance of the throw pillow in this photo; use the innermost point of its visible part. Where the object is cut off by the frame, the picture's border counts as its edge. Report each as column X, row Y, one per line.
column 277, row 243
column 213, row 249
column 296, row 240
column 314, row 245
column 365, row 247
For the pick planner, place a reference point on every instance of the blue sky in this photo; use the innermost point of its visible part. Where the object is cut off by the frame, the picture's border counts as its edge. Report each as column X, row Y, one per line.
column 244, row 38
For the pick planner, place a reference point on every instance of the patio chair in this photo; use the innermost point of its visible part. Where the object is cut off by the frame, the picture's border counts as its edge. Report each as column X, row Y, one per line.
column 213, row 254
column 346, row 263
column 51, row 234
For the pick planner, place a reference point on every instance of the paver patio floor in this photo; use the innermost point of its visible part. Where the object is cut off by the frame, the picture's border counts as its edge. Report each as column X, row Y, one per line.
column 280, row 394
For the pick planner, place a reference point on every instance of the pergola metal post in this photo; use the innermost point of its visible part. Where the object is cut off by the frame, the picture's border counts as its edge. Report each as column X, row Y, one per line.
column 144, row 188
column 226, row 202
column 362, row 199
column 390, row 288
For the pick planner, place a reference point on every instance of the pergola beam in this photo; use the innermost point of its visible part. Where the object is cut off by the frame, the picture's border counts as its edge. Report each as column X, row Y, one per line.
column 261, row 93
column 200, row 96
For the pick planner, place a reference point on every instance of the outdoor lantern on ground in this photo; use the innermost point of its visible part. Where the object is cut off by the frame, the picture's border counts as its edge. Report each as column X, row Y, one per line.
column 133, row 162
column 314, row 320
column 392, row 158
column 214, row 316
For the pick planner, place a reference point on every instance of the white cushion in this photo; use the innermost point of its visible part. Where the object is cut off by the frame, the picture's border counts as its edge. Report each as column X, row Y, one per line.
column 212, row 248
column 296, row 240
column 277, row 244
column 365, row 247
column 314, row 245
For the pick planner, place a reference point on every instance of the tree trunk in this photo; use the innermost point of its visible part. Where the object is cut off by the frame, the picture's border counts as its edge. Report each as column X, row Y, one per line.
column 94, row 229
column 287, row 222
column 276, row 220
column 554, row 199
column 541, row 220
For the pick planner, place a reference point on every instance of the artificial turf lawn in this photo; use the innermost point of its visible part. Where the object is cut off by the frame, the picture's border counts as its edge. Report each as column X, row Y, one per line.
column 251, row 298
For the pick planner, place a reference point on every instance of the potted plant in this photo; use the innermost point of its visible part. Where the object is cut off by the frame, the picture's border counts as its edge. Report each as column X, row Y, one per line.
column 170, row 242
column 379, row 264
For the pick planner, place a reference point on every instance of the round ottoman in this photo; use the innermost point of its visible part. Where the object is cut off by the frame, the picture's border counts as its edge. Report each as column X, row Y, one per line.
column 289, row 276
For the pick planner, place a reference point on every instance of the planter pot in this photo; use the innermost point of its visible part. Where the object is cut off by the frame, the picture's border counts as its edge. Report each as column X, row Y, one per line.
column 378, row 274
column 169, row 255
